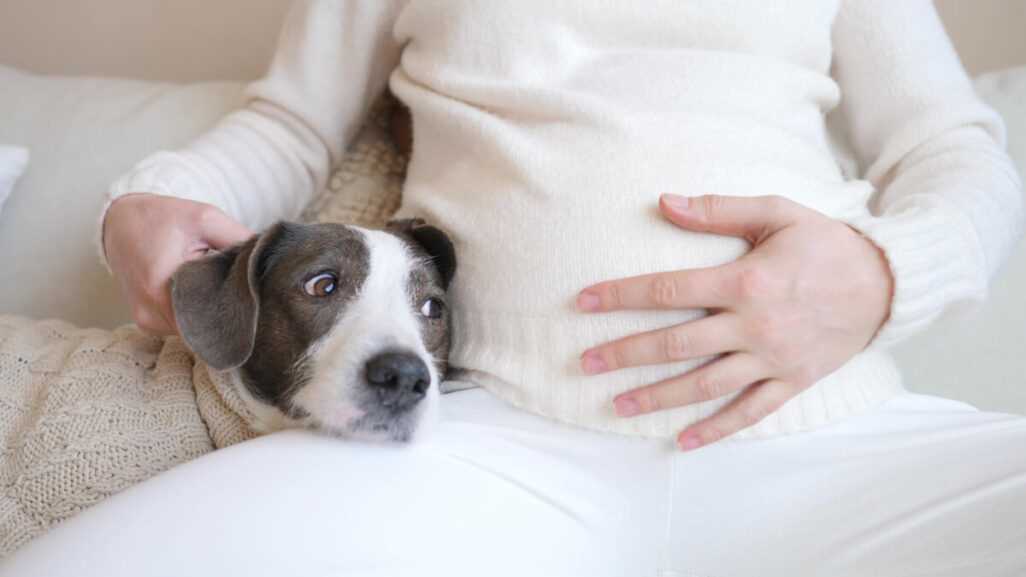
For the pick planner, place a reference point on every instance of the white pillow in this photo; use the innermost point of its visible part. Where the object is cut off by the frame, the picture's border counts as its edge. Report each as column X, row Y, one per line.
column 13, row 161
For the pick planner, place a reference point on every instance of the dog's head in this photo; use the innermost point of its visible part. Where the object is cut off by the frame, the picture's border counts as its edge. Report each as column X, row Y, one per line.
column 334, row 327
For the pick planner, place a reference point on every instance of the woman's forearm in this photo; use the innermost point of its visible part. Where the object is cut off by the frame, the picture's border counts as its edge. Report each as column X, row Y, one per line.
column 265, row 161
column 949, row 203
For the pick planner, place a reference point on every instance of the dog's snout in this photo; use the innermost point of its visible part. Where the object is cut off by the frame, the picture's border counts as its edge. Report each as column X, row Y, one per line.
column 401, row 379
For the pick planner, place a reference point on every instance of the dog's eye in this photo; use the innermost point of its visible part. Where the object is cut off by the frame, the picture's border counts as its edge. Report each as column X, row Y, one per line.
column 321, row 285
column 432, row 308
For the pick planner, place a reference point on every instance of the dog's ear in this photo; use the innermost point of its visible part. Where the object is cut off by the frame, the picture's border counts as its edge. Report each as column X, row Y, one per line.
column 433, row 241
column 216, row 301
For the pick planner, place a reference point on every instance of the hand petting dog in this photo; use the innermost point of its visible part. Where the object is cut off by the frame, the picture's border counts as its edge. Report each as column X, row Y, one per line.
column 146, row 238
column 810, row 295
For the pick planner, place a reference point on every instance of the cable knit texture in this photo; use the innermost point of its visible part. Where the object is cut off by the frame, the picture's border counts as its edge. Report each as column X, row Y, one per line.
column 87, row 413
column 545, row 131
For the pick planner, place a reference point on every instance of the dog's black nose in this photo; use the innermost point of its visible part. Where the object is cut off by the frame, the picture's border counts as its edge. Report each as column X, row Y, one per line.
column 400, row 379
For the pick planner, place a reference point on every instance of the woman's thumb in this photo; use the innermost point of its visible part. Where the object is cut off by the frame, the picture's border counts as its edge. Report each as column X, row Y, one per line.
column 222, row 231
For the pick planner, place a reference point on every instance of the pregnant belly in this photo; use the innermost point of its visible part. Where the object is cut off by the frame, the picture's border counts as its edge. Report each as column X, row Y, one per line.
column 539, row 214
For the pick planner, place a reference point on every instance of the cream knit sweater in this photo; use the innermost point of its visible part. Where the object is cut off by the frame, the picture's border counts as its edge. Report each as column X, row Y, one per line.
column 545, row 131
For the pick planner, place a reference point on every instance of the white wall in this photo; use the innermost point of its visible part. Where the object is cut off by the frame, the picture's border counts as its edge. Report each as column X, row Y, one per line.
column 232, row 39
column 989, row 34
column 179, row 40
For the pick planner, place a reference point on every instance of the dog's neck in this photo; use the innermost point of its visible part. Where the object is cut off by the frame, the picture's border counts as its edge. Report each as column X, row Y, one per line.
column 231, row 412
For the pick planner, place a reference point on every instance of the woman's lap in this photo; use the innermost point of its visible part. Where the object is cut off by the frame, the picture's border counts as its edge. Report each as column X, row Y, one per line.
column 915, row 487
column 920, row 486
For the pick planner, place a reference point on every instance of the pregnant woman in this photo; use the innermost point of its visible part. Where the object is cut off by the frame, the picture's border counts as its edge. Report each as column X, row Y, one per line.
column 659, row 250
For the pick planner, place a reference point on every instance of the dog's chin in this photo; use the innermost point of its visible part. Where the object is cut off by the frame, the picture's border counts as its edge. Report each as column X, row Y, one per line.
column 376, row 425
column 387, row 435
column 384, row 424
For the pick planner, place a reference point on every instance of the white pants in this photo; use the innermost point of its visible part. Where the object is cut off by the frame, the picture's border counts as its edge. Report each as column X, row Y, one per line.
column 921, row 486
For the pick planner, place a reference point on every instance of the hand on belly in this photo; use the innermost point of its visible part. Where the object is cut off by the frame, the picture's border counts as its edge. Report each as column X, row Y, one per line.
column 811, row 294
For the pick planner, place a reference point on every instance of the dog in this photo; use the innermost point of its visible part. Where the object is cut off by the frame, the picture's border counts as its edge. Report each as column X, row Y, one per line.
column 329, row 327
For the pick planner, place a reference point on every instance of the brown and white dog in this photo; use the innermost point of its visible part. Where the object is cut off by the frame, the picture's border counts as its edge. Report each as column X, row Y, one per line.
column 332, row 327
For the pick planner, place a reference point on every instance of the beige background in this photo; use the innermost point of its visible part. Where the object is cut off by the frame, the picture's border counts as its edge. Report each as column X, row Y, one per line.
column 232, row 39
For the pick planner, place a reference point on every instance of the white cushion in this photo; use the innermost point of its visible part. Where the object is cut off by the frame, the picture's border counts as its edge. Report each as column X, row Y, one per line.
column 979, row 358
column 82, row 132
column 13, row 161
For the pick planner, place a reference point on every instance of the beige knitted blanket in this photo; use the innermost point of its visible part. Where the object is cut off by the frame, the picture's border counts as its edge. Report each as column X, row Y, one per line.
column 87, row 413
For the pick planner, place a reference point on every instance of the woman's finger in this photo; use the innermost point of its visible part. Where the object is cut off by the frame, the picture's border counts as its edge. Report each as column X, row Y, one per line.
column 149, row 318
column 684, row 289
column 712, row 335
column 166, row 310
column 712, row 381
column 221, row 231
column 747, row 409
column 751, row 218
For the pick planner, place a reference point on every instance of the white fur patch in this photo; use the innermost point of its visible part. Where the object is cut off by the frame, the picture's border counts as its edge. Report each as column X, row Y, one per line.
column 380, row 318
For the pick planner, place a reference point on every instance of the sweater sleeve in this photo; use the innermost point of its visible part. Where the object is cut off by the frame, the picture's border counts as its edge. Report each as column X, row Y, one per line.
column 949, row 207
column 265, row 161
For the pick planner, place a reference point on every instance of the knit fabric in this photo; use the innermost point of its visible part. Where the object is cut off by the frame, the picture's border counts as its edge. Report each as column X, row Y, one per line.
column 86, row 413
column 366, row 188
column 545, row 131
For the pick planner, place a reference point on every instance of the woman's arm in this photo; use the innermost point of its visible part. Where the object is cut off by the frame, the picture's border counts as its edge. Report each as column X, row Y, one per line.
column 949, row 207
column 265, row 161
column 258, row 165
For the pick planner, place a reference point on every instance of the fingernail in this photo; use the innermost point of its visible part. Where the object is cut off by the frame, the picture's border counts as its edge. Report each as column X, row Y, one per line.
column 593, row 364
column 677, row 202
column 689, row 442
column 626, row 407
column 588, row 301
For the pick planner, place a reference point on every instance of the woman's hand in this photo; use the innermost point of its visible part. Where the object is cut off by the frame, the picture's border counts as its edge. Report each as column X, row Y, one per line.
column 147, row 237
column 810, row 295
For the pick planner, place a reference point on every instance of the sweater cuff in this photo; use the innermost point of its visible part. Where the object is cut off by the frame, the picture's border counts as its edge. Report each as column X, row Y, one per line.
column 162, row 174
column 935, row 259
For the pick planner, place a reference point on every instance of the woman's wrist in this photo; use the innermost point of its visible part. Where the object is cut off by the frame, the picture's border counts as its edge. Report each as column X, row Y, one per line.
column 114, row 207
column 877, row 259
column 933, row 257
